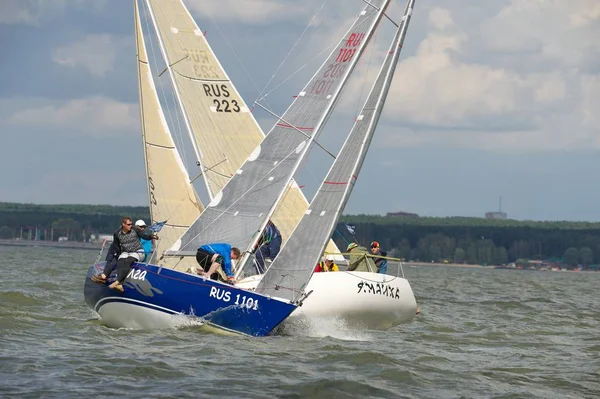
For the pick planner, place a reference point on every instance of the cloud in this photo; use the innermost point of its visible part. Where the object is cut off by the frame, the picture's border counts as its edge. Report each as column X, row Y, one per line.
column 249, row 11
column 97, row 53
column 31, row 12
column 506, row 89
column 92, row 116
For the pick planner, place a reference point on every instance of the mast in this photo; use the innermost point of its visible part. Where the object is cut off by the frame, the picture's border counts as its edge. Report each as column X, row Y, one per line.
column 139, row 43
column 179, row 101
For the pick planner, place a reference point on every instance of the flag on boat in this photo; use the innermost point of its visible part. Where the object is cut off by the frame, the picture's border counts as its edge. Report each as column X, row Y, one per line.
column 156, row 227
column 351, row 228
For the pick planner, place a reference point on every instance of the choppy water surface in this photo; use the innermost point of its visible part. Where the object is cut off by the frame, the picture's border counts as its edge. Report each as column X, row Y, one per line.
column 482, row 333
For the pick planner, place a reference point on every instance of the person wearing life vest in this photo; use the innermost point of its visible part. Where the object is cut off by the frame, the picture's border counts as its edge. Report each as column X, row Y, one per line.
column 327, row 265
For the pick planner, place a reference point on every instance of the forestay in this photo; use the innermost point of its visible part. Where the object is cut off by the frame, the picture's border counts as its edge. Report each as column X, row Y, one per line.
column 221, row 128
column 171, row 195
column 294, row 265
column 239, row 212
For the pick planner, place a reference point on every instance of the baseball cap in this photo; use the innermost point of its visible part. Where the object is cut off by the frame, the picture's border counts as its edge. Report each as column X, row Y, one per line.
column 140, row 223
column 329, row 257
column 374, row 244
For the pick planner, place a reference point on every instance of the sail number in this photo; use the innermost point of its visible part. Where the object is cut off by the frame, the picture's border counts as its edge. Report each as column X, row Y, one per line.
column 221, row 104
column 152, row 187
column 224, row 106
column 240, row 300
column 335, row 70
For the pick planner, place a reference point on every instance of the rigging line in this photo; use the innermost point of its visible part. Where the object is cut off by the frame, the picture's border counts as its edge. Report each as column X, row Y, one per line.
column 234, row 53
column 296, row 129
column 291, row 50
column 210, row 169
column 297, row 71
column 302, row 67
column 384, row 14
column 177, row 126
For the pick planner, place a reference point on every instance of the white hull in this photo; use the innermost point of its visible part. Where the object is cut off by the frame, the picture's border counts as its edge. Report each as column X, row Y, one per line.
column 360, row 299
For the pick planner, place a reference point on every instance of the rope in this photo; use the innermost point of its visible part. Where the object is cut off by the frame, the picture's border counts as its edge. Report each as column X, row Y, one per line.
column 289, row 53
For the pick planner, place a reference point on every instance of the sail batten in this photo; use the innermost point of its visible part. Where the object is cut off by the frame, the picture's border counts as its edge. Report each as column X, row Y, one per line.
column 240, row 212
column 292, row 269
column 171, row 196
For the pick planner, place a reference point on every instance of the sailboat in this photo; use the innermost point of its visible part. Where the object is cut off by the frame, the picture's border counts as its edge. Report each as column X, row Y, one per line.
column 155, row 292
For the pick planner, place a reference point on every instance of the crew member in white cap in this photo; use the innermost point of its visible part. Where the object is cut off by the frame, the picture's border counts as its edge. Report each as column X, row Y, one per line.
column 327, row 265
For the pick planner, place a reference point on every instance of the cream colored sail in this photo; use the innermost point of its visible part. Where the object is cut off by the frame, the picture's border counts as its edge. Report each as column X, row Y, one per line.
column 221, row 125
column 171, row 195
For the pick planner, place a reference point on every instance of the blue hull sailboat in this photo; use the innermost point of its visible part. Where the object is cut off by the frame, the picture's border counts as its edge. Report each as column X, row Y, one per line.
column 154, row 296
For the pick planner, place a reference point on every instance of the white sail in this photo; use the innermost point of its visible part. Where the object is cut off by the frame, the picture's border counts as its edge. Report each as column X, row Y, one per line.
column 171, row 195
column 239, row 213
column 293, row 267
column 221, row 126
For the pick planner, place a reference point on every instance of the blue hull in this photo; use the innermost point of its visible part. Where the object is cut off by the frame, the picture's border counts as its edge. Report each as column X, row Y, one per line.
column 166, row 292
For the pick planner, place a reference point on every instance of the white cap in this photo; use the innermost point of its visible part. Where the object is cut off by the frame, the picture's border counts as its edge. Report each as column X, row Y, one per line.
column 329, row 257
column 140, row 223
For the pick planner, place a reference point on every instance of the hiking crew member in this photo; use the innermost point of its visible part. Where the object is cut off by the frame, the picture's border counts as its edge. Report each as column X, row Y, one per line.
column 217, row 257
column 327, row 265
column 359, row 262
column 128, row 240
column 268, row 245
column 379, row 262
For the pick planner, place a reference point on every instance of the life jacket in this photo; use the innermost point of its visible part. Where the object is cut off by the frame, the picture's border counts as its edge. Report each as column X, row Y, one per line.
column 323, row 267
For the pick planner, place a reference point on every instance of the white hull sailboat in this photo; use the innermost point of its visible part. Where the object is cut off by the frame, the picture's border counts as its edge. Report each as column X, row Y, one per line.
column 226, row 145
column 361, row 300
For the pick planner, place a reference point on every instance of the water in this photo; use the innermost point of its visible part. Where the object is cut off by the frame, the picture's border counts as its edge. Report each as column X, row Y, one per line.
column 482, row 333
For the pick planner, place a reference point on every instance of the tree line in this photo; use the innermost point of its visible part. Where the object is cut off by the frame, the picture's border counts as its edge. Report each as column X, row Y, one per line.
column 453, row 239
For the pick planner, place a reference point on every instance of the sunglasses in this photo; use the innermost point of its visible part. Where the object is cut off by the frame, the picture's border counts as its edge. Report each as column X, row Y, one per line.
column 127, row 224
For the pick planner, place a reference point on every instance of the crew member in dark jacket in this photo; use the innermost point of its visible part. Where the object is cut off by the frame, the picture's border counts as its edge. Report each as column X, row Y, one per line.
column 129, row 247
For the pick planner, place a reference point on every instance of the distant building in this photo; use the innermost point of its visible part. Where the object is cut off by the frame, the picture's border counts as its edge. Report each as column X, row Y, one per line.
column 403, row 214
column 496, row 215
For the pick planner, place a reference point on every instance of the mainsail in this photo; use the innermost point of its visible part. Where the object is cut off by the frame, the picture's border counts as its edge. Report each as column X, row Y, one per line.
column 220, row 124
column 294, row 265
column 171, row 195
column 240, row 211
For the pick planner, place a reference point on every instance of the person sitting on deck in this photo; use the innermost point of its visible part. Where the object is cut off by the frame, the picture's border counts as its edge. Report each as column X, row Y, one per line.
column 359, row 261
column 128, row 242
column 146, row 244
column 379, row 262
column 268, row 246
column 327, row 265
column 213, row 257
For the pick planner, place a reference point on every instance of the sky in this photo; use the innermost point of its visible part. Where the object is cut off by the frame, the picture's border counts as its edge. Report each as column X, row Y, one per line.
column 490, row 99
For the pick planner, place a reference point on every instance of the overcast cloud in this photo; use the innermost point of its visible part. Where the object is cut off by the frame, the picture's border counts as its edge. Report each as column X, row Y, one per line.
column 490, row 98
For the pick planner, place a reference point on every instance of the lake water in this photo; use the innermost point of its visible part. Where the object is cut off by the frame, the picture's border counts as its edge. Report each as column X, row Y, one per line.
column 482, row 333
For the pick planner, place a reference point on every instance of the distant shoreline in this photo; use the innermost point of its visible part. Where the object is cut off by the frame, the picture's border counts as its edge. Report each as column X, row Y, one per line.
column 51, row 244
column 446, row 265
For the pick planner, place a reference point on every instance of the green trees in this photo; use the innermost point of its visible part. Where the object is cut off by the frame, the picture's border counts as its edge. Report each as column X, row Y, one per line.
column 6, row 232
column 586, row 256
column 459, row 255
column 571, row 256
